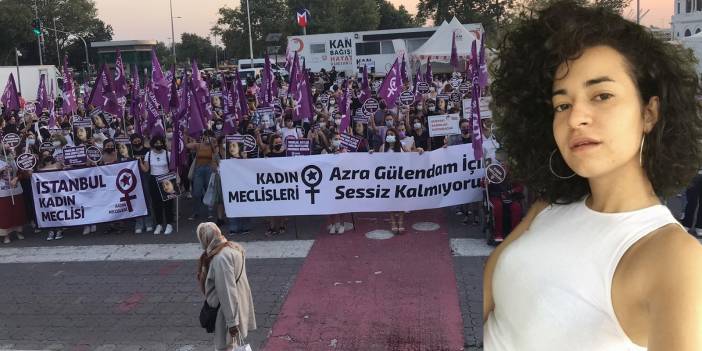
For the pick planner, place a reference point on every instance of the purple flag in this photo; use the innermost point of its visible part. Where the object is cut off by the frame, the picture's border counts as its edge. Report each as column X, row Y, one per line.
column 111, row 105
column 42, row 98
column 365, row 86
column 202, row 94
column 52, row 110
column 178, row 150
column 454, row 53
column 154, row 122
column 243, row 104
column 10, row 99
column 195, row 125
column 417, row 78
column 390, row 89
column 230, row 106
column 267, row 82
column 475, row 107
column 293, row 75
column 159, row 83
column 174, row 103
column 120, row 79
column 403, row 71
column 301, row 98
column 429, row 77
column 97, row 95
column 69, row 95
column 134, row 108
column 345, row 108
column 483, row 73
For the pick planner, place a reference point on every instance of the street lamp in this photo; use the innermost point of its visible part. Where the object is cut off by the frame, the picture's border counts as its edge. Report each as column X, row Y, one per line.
column 87, row 57
column 248, row 16
column 18, row 54
column 170, row 2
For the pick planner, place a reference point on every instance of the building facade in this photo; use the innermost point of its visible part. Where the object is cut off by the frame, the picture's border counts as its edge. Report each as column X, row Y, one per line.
column 687, row 18
column 134, row 52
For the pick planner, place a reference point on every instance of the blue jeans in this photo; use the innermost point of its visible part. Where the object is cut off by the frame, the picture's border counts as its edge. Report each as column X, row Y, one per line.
column 239, row 224
column 201, row 177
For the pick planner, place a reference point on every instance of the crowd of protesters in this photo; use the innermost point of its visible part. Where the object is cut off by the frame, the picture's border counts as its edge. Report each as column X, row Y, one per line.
column 403, row 128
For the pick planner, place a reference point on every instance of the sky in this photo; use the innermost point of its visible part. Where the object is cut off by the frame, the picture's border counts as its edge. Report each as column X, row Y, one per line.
column 149, row 19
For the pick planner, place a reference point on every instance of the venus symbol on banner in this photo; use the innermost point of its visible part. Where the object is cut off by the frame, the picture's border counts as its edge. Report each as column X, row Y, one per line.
column 312, row 177
column 126, row 183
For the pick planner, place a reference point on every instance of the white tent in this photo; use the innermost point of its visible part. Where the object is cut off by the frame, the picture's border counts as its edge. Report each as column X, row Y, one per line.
column 438, row 47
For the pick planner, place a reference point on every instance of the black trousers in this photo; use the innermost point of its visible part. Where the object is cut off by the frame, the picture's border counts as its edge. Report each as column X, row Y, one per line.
column 161, row 210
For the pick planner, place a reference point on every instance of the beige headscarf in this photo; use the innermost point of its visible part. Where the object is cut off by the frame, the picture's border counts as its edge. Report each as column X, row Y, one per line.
column 210, row 236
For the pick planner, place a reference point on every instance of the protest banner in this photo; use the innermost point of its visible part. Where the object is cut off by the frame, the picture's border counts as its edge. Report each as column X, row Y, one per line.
column 298, row 147
column 351, row 182
column 168, row 186
column 88, row 195
column 26, row 161
column 442, row 125
column 82, row 130
column 11, row 140
column 93, row 153
column 349, row 142
column 74, row 155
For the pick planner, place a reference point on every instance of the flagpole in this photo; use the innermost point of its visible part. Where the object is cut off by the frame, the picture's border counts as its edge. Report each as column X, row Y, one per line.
column 248, row 16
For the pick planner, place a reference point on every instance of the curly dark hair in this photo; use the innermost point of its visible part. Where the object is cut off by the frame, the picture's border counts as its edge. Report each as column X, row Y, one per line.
column 524, row 69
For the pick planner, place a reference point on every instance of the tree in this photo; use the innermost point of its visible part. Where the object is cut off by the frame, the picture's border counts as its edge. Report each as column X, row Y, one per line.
column 487, row 12
column 391, row 18
column 195, row 47
column 266, row 17
column 358, row 15
column 73, row 16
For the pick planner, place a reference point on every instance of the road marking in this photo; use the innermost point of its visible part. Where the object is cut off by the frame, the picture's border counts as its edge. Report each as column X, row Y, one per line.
column 147, row 252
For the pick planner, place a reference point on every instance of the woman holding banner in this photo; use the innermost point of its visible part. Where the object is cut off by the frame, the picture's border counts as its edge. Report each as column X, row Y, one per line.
column 599, row 116
column 155, row 163
column 12, row 208
column 275, row 148
column 204, row 166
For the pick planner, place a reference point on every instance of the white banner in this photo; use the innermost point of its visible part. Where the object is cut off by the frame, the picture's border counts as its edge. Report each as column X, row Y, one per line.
column 443, row 125
column 351, row 182
column 88, row 195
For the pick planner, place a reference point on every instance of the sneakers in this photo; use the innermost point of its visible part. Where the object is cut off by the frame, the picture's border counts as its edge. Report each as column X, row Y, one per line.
column 332, row 228
column 93, row 228
column 20, row 236
column 158, row 229
column 6, row 240
column 51, row 236
column 340, row 228
column 59, row 235
column 698, row 232
column 86, row 230
column 169, row 230
column 149, row 229
column 137, row 231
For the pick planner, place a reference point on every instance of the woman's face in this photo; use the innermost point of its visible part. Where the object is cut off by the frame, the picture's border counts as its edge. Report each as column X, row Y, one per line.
column 233, row 150
column 595, row 97
column 98, row 122
column 123, row 151
column 358, row 127
column 82, row 134
column 167, row 186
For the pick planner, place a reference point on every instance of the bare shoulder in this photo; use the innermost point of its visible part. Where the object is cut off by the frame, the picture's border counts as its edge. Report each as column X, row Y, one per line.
column 669, row 263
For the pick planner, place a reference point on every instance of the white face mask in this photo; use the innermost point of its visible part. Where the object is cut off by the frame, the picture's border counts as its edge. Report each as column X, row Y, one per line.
column 56, row 143
column 338, row 121
column 336, row 143
column 31, row 141
column 323, row 125
column 169, row 135
column 390, row 139
column 417, row 126
column 432, row 108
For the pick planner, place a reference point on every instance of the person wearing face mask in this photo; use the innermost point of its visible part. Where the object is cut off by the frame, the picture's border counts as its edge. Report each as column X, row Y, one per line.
column 360, row 131
column 49, row 163
column 337, row 225
column 420, row 134
column 470, row 210
column 25, row 179
column 109, row 156
column 379, row 132
column 156, row 163
column 392, row 144
column 464, row 138
column 205, row 164
column 139, row 152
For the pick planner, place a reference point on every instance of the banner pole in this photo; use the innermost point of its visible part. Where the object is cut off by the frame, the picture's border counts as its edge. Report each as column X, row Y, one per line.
column 9, row 178
column 177, row 214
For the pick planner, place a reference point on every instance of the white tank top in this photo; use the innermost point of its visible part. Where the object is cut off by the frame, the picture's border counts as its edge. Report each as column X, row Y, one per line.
column 552, row 286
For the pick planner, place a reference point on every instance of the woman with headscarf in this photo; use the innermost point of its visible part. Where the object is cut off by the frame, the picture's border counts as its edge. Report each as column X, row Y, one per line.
column 222, row 278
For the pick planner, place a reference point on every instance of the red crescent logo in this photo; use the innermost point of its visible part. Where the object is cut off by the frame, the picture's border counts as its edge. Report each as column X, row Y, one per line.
column 300, row 44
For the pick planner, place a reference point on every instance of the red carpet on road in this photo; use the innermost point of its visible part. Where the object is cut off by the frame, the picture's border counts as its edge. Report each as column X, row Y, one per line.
column 355, row 293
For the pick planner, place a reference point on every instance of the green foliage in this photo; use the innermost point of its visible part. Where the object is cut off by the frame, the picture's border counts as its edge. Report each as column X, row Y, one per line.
column 75, row 16
column 194, row 47
column 490, row 13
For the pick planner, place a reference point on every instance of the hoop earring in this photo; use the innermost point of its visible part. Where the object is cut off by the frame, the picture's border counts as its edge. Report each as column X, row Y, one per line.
column 641, row 150
column 550, row 167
